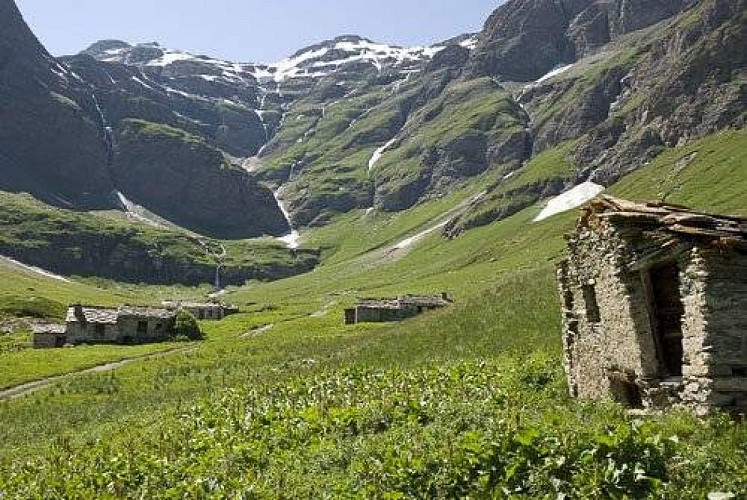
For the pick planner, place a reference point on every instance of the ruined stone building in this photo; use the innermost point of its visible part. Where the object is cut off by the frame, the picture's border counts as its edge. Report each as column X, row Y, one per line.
column 206, row 311
column 401, row 308
column 98, row 325
column 655, row 306
column 48, row 335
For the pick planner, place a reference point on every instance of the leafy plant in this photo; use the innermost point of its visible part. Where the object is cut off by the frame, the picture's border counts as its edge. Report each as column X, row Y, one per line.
column 186, row 326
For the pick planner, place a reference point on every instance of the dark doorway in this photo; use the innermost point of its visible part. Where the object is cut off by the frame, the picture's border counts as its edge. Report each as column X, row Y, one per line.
column 625, row 391
column 142, row 327
column 593, row 314
column 668, row 312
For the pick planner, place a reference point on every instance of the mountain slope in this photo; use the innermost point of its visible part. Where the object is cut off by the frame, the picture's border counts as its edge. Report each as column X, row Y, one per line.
column 636, row 77
column 49, row 143
column 62, row 134
column 617, row 109
column 524, row 39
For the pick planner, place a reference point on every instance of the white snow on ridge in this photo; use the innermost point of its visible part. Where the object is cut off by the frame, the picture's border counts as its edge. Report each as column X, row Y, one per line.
column 408, row 242
column 171, row 57
column 379, row 153
column 470, row 43
column 310, row 63
column 557, row 71
column 34, row 269
column 569, row 200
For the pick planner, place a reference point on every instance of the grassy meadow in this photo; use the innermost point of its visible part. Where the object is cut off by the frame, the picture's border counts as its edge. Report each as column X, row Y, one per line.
column 283, row 400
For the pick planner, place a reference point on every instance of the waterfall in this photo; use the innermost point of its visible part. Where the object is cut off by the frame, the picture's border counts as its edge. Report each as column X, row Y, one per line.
column 108, row 132
column 290, row 239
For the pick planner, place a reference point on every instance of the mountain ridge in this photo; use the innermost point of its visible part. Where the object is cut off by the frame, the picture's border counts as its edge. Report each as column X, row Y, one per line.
column 350, row 124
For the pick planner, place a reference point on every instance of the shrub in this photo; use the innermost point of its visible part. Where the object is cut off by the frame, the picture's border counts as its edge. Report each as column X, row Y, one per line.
column 186, row 327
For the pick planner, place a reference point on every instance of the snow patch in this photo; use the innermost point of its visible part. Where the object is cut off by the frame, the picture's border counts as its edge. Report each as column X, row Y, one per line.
column 34, row 269
column 379, row 153
column 569, row 200
column 171, row 57
column 470, row 43
column 137, row 213
column 142, row 82
column 408, row 242
column 557, row 71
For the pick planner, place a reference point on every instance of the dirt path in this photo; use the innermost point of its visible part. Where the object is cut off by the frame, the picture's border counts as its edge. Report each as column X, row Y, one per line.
column 256, row 332
column 29, row 387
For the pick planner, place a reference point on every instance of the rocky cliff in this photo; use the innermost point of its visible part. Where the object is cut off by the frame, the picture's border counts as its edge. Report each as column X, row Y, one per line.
column 63, row 121
column 50, row 144
column 525, row 39
column 182, row 178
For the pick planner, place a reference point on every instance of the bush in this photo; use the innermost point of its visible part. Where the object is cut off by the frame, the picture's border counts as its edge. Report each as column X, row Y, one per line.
column 186, row 327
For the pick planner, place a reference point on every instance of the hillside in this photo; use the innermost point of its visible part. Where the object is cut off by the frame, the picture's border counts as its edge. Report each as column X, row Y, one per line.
column 483, row 376
column 397, row 170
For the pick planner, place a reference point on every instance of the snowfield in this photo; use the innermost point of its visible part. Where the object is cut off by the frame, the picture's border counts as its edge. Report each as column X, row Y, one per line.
column 313, row 62
column 379, row 153
column 552, row 74
column 571, row 199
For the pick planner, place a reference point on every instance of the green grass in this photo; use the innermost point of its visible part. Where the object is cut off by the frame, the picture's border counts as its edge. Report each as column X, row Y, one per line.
column 94, row 244
column 158, row 131
column 469, row 400
column 708, row 174
column 477, row 109
column 34, row 364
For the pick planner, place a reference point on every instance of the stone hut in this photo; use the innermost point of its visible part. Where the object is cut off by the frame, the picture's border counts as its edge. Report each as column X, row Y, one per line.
column 401, row 308
column 203, row 311
column 655, row 306
column 48, row 335
column 125, row 325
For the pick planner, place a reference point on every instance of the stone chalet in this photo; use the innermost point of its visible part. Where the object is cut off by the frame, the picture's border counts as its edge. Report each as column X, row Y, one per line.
column 124, row 325
column 207, row 311
column 401, row 308
column 49, row 335
column 655, row 306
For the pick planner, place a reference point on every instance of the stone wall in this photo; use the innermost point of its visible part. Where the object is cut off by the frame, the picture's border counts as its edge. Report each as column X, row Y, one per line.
column 124, row 332
column 722, row 367
column 368, row 314
column 608, row 333
column 48, row 340
column 156, row 329
column 612, row 335
column 215, row 312
column 92, row 333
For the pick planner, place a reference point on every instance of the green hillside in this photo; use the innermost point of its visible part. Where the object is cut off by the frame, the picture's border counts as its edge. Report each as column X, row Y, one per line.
column 470, row 400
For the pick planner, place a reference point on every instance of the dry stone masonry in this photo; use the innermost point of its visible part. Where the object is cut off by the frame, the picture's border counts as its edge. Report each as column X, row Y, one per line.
column 401, row 308
column 655, row 306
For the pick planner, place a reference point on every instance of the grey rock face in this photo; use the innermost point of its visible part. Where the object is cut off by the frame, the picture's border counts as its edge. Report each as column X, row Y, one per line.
column 183, row 179
column 525, row 39
column 50, row 143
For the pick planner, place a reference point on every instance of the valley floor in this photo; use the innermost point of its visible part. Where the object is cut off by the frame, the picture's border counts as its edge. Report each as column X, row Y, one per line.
column 470, row 400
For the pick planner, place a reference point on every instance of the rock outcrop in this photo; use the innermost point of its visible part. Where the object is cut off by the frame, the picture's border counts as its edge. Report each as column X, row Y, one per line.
column 524, row 39
column 50, row 142
column 183, row 179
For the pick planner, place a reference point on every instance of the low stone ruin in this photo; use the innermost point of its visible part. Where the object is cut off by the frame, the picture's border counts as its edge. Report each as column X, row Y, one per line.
column 655, row 306
column 401, row 308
